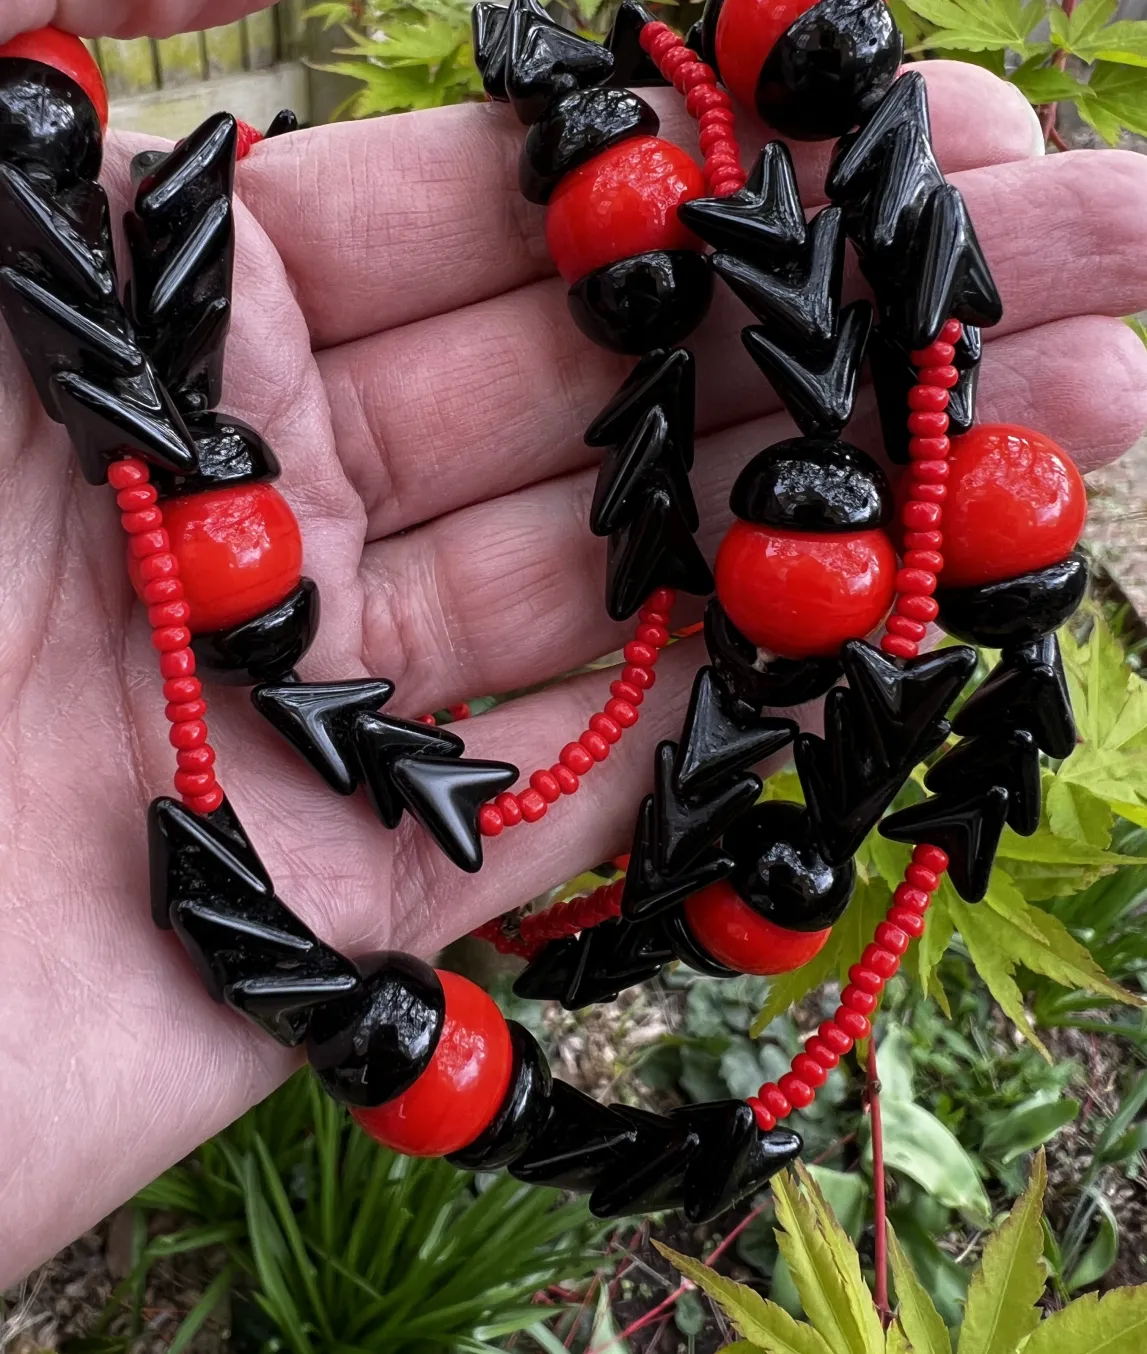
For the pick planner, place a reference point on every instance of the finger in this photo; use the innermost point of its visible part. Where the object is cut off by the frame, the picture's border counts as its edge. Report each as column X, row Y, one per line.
column 122, row 18
column 509, row 592
column 388, row 221
column 462, row 407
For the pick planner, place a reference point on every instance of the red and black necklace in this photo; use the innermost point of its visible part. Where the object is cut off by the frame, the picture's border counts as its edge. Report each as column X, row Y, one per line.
column 820, row 554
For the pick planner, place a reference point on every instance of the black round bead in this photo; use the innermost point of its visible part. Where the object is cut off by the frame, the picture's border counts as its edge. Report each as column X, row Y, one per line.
column 574, row 130
column 830, row 68
column 48, row 125
column 230, row 452
column 779, row 871
column 648, row 301
column 371, row 1046
column 522, row 1114
column 708, row 33
column 813, row 484
column 265, row 648
column 1016, row 610
column 778, row 683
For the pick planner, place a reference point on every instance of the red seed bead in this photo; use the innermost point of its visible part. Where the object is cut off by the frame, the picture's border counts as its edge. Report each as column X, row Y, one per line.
column 190, row 735
column 181, row 712
column 1018, row 505
column 896, row 646
column 707, row 99
column 868, row 980
column 932, row 493
column 160, row 591
column 574, row 756
column 930, row 560
column 856, row 999
column 736, row 935
column 923, row 540
column 239, row 550
column 926, row 424
column 609, row 729
column 149, row 543
column 725, row 184
column 931, row 857
column 715, row 134
column 915, row 900
column 639, row 654
column 547, row 786
column 937, row 354
column 163, row 566
column 194, row 782
column 800, row 594
column 854, row 1024
column 147, row 519
column 891, row 937
column 797, row 1091
column 182, row 689
column 168, row 613
column 942, row 377
column 510, row 809
column 626, row 693
column 817, row 1048
column 839, row 1040
column 918, row 608
column 490, row 821
column 929, row 399
column 67, row 54
column 766, row 1122
column 952, row 332
column 916, row 580
column 930, row 472
column 775, row 1100
column 674, row 58
column 920, row 877
column 533, row 806
column 921, row 516
column 196, row 759
column 691, row 74
column 654, row 635
column 809, row 1071
column 637, row 675
column 177, row 663
column 622, row 713
column 622, row 202
column 169, row 638
column 464, row 1083
column 928, row 448
column 880, row 960
column 720, row 114
column 905, row 628
column 127, row 474
column 207, row 803
column 136, row 500
column 912, row 923
column 595, row 745
column 567, row 782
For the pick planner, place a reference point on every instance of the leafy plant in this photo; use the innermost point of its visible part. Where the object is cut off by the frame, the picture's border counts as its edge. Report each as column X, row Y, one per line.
column 1002, row 1314
column 1106, row 78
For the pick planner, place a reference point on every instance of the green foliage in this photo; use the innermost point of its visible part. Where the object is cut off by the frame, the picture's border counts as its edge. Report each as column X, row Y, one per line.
column 1106, row 78
column 1002, row 1314
column 335, row 1243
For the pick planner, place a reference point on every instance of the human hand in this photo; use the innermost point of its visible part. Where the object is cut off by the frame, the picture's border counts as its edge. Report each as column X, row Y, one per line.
column 401, row 341
column 121, row 18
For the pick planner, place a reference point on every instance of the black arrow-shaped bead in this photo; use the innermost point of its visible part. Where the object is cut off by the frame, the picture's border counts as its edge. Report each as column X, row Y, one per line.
column 445, row 794
column 319, row 720
column 1028, row 690
column 649, row 891
column 380, row 741
column 654, row 549
column 579, row 1141
column 686, row 827
column 761, row 221
column 664, row 379
column 715, row 743
column 962, row 396
column 893, row 376
column 798, row 301
column 596, row 965
column 968, row 830
column 859, row 161
column 977, row 763
column 733, row 1157
column 648, row 458
column 39, row 226
column 818, row 393
column 633, row 67
column 652, row 1175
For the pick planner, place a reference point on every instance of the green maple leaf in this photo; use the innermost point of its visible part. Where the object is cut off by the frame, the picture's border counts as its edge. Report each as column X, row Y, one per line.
column 977, row 26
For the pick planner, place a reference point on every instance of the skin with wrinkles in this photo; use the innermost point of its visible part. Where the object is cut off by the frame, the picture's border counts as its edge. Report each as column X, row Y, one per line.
column 402, row 341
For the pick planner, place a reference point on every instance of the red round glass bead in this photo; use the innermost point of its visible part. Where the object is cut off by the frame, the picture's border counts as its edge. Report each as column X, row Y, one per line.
column 745, row 35
column 729, row 930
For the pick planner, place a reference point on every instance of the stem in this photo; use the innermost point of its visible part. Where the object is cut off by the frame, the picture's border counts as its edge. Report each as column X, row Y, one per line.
column 880, row 1201
column 1050, row 111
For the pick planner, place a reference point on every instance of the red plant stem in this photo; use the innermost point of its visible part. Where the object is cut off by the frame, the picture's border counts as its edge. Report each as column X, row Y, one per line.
column 879, row 1194
column 1050, row 111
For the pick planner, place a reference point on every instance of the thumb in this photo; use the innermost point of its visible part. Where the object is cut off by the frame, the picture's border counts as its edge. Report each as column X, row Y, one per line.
column 121, row 18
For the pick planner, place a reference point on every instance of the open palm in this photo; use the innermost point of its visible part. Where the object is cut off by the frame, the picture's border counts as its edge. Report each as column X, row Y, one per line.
column 401, row 341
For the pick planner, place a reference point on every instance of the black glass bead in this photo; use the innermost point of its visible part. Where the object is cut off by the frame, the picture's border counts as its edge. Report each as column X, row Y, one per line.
column 574, row 130
column 374, row 1044
column 378, row 742
column 578, row 1142
column 652, row 1175
column 1026, row 690
column 1010, row 760
column 182, row 240
column 522, row 1114
column 780, row 683
column 968, row 830
column 648, row 301
column 49, row 127
column 285, row 121
column 707, row 33
column 813, row 484
column 633, row 67
column 796, row 297
column 764, row 222
column 444, row 794
column 654, row 549
column 716, row 743
column 266, row 648
column 596, row 965
column 649, row 459
column 1016, row 610
column 962, row 396
column 780, row 872
column 893, row 376
column 733, row 1159
column 818, row 391
column 829, row 68
column 229, row 452
column 689, row 949
column 685, row 827
column 664, row 379
column 319, row 719
column 649, row 890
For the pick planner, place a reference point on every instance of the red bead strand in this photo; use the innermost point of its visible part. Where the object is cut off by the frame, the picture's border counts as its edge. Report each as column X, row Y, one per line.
column 168, row 614
column 537, row 929
column 858, row 1002
column 705, row 100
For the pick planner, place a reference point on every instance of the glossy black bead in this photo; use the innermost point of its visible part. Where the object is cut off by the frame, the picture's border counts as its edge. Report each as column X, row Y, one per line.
column 578, row 1141
column 761, row 223
column 648, row 301
column 444, row 795
column 375, row 1043
column 818, row 391
column 664, row 379
column 182, row 240
column 319, row 720
column 633, row 67
column 1027, row 689
column 266, row 648
column 962, row 396
column 796, row 297
column 379, row 741
column 686, row 826
column 813, row 484
column 654, row 549
column 830, row 68
column 574, row 130
column 649, row 459
column 689, row 949
column 707, row 33
column 778, row 682
column 1016, row 610
column 1010, row 760
column 529, row 59
column 734, row 1158
column 780, row 872
column 893, row 376
column 229, row 452
column 968, row 829
column 651, row 891
column 285, row 121
column 49, row 127
column 716, row 743
column 596, row 965
column 522, row 1114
